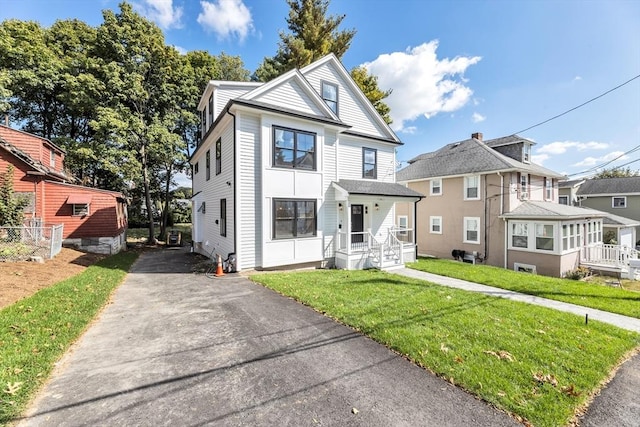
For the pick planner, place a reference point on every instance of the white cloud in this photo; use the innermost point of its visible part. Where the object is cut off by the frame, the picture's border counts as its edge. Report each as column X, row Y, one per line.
column 162, row 13
column 180, row 49
column 410, row 130
column 560, row 147
column 577, row 78
column 593, row 161
column 422, row 84
column 226, row 18
column 539, row 159
column 477, row 118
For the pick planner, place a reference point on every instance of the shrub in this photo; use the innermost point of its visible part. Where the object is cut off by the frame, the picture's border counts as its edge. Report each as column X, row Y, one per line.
column 578, row 274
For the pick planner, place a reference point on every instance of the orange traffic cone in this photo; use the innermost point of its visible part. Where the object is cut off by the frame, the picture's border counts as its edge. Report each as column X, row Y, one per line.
column 219, row 271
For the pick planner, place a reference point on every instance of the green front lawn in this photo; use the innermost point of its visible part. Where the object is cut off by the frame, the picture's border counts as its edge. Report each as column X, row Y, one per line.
column 534, row 362
column 602, row 297
column 36, row 331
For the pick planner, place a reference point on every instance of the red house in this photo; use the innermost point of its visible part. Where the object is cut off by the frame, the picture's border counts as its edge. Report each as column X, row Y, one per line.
column 94, row 220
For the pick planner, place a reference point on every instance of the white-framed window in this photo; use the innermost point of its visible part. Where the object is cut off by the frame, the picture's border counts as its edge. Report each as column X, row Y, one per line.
column 403, row 223
column 619, row 202
column 330, row 95
column 80, row 209
column 524, row 186
column 563, row 200
column 520, row 235
column 526, row 153
column 471, row 229
column 436, row 186
column 594, row 232
column 548, row 188
column 472, row 187
column 545, row 236
column 571, row 236
column 435, row 224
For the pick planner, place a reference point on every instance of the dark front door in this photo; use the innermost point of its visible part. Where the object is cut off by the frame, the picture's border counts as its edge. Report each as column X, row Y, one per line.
column 357, row 223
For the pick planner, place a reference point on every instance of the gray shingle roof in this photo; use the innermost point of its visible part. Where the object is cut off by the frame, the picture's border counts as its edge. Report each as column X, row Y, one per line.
column 551, row 210
column 466, row 157
column 505, row 140
column 608, row 186
column 569, row 184
column 376, row 188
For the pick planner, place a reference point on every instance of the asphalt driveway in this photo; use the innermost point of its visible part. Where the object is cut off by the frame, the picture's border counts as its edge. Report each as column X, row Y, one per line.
column 176, row 348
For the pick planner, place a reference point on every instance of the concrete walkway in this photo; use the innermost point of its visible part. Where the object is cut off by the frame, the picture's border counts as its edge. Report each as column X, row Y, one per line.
column 618, row 403
column 175, row 348
column 629, row 323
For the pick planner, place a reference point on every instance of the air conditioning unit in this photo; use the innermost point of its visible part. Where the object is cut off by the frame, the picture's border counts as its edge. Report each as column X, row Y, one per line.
column 524, row 195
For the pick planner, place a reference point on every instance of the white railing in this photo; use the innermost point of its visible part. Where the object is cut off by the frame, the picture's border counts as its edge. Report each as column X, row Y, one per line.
column 404, row 235
column 613, row 255
column 362, row 241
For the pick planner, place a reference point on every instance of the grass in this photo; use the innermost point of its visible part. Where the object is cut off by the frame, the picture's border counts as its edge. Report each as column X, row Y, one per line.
column 602, row 297
column 36, row 331
column 534, row 362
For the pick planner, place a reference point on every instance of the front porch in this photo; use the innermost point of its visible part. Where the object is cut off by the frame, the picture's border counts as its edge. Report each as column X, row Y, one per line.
column 620, row 260
column 362, row 250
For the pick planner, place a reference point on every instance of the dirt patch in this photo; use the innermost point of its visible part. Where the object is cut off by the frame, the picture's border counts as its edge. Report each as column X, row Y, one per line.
column 24, row 278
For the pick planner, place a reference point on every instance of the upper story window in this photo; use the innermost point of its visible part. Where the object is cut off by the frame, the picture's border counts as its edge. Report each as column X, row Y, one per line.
column 524, row 186
column 619, row 202
column 472, row 187
column 330, row 95
column 369, row 163
column 436, row 186
column 208, row 164
column 294, row 149
column 52, row 158
column 203, row 122
column 218, row 156
column 548, row 188
column 210, row 110
column 563, row 200
column 196, row 168
column 526, row 153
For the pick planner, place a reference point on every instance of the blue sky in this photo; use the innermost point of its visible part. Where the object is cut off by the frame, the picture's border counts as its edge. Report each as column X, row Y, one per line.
column 455, row 67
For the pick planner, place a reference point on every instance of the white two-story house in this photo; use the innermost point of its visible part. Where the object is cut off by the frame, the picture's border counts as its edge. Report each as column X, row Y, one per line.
column 298, row 171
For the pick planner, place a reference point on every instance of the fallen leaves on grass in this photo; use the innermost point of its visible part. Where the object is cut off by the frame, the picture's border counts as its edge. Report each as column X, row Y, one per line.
column 570, row 390
column 12, row 388
column 502, row 355
column 545, row 378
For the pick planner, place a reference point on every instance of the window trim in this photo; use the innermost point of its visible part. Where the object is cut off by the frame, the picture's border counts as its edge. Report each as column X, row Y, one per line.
column 375, row 163
column 223, row 217
column 295, row 219
column 466, row 187
column 431, row 224
column 218, row 156
column 563, row 197
column 295, row 148
column 196, row 167
column 208, row 164
column 466, row 230
column 431, row 187
column 328, row 101
column 80, row 209
column 401, row 219
column 548, row 188
column 532, row 236
column 526, row 153
column 210, row 110
column 613, row 202
column 52, row 158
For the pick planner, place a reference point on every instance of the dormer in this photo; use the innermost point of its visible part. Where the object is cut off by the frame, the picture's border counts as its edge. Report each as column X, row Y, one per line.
column 513, row 146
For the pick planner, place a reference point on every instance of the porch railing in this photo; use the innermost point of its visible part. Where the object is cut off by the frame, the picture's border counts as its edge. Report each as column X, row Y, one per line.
column 404, row 235
column 613, row 255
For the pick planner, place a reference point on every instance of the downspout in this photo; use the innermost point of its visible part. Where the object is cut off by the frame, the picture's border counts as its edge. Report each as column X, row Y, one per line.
column 415, row 226
column 486, row 223
column 503, row 192
column 235, row 191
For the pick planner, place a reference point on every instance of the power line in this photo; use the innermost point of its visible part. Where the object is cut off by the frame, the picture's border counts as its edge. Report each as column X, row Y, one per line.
column 595, row 168
column 581, row 105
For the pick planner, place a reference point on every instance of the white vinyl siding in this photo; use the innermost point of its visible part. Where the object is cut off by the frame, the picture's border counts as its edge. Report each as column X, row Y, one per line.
column 350, row 159
column 249, row 210
column 291, row 96
column 328, row 219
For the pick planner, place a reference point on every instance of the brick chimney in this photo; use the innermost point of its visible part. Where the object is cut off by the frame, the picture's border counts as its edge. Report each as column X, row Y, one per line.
column 477, row 135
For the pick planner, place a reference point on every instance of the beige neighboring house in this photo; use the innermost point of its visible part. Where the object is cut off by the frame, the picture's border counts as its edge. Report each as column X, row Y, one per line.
column 487, row 202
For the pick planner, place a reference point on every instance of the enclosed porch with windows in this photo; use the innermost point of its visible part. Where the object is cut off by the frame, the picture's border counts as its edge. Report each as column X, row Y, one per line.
column 368, row 235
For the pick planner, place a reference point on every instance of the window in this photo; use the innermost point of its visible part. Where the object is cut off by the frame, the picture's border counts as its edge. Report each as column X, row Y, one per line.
column 294, row 218
column 435, row 224
column 80, row 209
column 218, row 156
column 211, row 110
column 52, row 158
column 369, row 159
column 548, row 188
column 524, row 186
column 208, row 164
column 330, row 95
column 294, row 149
column 571, row 236
column 544, row 237
column 594, row 232
column 526, row 153
column 471, row 230
column 203, row 122
column 619, row 202
column 563, row 200
column 223, row 217
column 436, row 187
column 403, row 223
column 472, row 187
column 524, row 268
column 520, row 235
column 196, row 168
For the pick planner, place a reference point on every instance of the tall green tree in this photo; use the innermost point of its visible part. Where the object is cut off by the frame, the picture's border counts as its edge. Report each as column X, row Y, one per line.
column 616, row 173
column 314, row 34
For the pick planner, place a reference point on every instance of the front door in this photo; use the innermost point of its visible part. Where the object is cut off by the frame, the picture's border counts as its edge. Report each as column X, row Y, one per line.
column 357, row 223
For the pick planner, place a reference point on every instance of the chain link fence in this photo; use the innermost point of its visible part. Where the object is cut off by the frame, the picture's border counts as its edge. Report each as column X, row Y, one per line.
column 34, row 239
